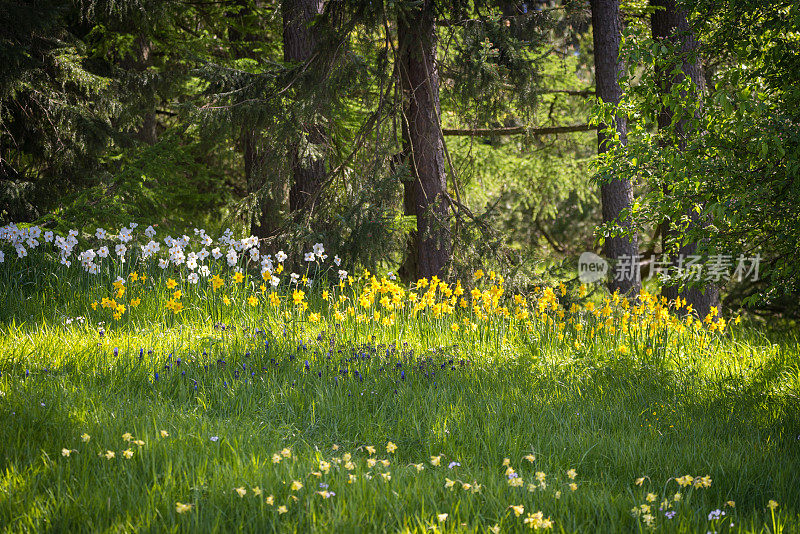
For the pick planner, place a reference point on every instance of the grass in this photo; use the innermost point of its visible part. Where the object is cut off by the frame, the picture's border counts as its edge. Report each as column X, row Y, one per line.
column 253, row 381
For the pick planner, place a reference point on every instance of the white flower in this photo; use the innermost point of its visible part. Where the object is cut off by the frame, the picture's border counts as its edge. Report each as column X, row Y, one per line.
column 202, row 255
column 391, row 276
column 205, row 271
column 102, row 252
column 281, row 256
column 274, row 281
column 100, row 233
column 133, row 225
column 21, row 252
column 342, row 275
column 193, row 278
column 125, row 235
column 217, row 253
column 2, row 256
column 337, row 260
column 121, row 249
column 254, row 254
column 295, row 277
column 48, row 236
column 191, row 264
column 206, row 240
column 163, row 263
column 309, row 256
column 150, row 231
column 319, row 251
column 231, row 257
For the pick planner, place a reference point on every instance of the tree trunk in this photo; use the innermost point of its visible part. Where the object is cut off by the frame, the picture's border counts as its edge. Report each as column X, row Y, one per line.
column 670, row 23
column 270, row 189
column 299, row 43
column 148, row 132
column 617, row 194
column 419, row 79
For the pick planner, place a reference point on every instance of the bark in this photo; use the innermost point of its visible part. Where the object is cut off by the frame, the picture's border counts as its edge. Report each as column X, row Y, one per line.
column 269, row 188
column 148, row 132
column 419, row 80
column 670, row 23
column 617, row 194
column 299, row 44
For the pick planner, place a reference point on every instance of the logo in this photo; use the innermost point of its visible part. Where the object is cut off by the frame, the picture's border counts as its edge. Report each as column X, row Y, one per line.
column 591, row 268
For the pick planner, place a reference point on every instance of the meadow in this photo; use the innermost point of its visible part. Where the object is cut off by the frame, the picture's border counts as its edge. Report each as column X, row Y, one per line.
column 208, row 387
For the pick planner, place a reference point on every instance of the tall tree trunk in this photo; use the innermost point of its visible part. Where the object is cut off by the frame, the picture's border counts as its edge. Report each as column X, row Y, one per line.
column 670, row 23
column 270, row 189
column 419, row 79
column 617, row 194
column 148, row 132
column 299, row 43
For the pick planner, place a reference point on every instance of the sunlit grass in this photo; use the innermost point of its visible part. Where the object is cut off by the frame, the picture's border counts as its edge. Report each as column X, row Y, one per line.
column 615, row 393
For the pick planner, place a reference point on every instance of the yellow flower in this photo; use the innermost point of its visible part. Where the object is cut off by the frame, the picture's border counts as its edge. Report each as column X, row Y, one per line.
column 286, row 453
column 531, row 458
column 572, row 474
column 296, row 485
column 257, row 491
column 226, row 300
column 282, row 508
column 182, row 508
column 391, row 447
column 436, row 460
column 127, row 436
column 386, row 476
column 164, row 434
column 276, row 458
column 138, row 442
column 85, row 437
column 65, row 452
column 449, row 483
column 297, row 296
column 270, row 500
column 370, row 449
column 171, row 284
column 128, row 454
column 325, row 295
column 135, row 303
column 314, row 317
column 573, row 486
column 772, row 504
column 441, row 518
column 732, row 504
column 274, row 299
column 518, row 509
column 241, row 491
column 238, row 277
column 651, row 497
column 495, row 529
column 371, row 462
column 216, row 282
column 110, row 454
column 252, row 300
column 685, row 480
column 640, row 481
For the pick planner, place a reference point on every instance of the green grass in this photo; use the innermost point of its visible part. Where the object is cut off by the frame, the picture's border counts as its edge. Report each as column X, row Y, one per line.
column 727, row 407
